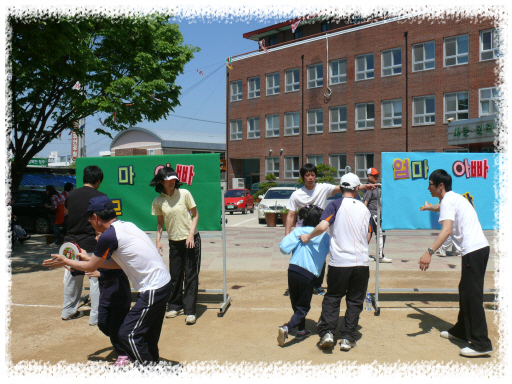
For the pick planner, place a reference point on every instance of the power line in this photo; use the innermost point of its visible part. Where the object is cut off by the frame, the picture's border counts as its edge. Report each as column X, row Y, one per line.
column 207, row 121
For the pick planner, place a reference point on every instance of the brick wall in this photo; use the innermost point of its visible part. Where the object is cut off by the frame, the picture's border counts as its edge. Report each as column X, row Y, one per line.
column 130, row 152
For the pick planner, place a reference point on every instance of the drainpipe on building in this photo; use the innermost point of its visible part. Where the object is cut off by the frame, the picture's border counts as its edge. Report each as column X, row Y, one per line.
column 302, row 113
column 406, row 94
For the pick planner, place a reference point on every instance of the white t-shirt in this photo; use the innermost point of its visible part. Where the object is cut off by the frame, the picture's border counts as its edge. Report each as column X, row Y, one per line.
column 349, row 221
column 467, row 232
column 135, row 253
column 318, row 195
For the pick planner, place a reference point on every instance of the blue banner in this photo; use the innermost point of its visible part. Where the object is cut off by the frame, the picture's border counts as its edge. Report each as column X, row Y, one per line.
column 405, row 186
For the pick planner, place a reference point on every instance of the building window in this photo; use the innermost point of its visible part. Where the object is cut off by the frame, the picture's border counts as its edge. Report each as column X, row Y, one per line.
column 338, row 119
column 272, row 40
column 236, row 129
column 392, row 62
column 254, row 87
column 488, row 99
column 423, row 56
column 456, row 105
column 236, row 90
column 456, row 50
column 461, row 150
column 363, row 162
column 298, row 33
column 291, row 167
column 292, row 80
column 315, row 159
column 273, row 84
column 338, row 162
column 338, row 71
column 489, row 42
column 315, row 121
column 365, row 67
column 392, row 113
column 253, row 127
column 315, row 75
column 150, row 151
column 291, row 123
column 272, row 166
column 326, row 25
column 272, row 126
column 424, row 110
column 365, row 116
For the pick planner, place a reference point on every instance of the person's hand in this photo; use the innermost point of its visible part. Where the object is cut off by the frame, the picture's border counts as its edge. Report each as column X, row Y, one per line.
column 93, row 274
column 369, row 187
column 425, row 261
column 56, row 261
column 160, row 247
column 304, row 238
column 84, row 255
column 190, row 241
column 425, row 207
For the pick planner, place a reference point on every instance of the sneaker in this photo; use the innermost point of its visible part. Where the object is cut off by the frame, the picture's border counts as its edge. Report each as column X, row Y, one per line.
column 470, row 352
column 327, row 341
column 441, row 252
column 302, row 334
column 173, row 313
column 282, row 335
column 122, row 361
column 346, row 345
column 191, row 319
column 385, row 259
column 449, row 336
column 319, row 291
column 77, row 315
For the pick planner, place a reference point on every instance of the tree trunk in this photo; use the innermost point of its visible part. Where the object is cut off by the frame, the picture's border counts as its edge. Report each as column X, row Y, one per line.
column 17, row 171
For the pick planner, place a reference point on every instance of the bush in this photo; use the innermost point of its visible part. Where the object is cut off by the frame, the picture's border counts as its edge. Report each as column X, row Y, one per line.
column 264, row 186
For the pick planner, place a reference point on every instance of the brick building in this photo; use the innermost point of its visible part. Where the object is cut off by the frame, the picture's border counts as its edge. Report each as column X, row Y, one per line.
column 340, row 93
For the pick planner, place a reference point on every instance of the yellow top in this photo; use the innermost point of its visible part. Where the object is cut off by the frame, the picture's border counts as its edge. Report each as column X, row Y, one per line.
column 176, row 212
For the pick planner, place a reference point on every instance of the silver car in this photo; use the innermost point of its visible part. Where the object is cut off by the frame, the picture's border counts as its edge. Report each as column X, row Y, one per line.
column 274, row 200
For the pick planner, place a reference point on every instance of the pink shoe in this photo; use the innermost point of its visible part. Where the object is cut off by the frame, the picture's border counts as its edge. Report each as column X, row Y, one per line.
column 122, row 361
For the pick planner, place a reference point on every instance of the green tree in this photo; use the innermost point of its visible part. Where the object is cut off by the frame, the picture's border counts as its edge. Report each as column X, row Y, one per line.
column 125, row 66
column 266, row 185
column 325, row 174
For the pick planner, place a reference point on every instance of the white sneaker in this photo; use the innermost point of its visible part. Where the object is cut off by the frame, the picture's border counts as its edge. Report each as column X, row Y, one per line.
column 449, row 336
column 173, row 313
column 441, row 252
column 191, row 319
column 346, row 345
column 327, row 341
column 469, row 352
column 385, row 260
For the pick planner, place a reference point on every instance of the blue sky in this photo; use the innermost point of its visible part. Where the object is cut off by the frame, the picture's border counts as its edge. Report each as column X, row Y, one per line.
column 207, row 101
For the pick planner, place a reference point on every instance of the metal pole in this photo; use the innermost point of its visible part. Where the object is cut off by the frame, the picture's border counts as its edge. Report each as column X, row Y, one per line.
column 377, row 255
column 223, row 243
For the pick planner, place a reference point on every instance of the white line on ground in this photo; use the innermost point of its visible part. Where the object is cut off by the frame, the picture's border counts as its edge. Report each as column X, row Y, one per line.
column 245, row 221
column 34, row 305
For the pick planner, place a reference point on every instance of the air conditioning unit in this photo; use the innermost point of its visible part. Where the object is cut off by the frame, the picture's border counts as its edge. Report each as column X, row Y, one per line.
column 238, row 183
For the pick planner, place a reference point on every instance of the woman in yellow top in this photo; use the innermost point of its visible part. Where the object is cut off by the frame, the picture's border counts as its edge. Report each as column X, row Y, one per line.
column 176, row 208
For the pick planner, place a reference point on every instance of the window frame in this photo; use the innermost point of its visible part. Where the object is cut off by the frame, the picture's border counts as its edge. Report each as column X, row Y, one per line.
column 274, row 87
column 239, row 94
column 267, row 171
column 292, row 127
column 240, row 132
column 313, row 159
column 393, row 117
column 393, row 65
column 273, row 129
column 457, row 104
column 295, row 173
column 315, row 127
column 340, row 75
column 493, row 101
column 361, row 172
column 457, row 55
column 340, row 171
column 293, row 84
column 366, row 120
column 365, row 71
column 426, row 114
column 425, row 60
column 316, row 80
column 495, row 40
column 251, row 130
column 256, row 90
column 339, row 122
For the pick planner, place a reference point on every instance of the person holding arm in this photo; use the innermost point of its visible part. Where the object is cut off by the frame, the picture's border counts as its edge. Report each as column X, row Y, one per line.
column 175, row 208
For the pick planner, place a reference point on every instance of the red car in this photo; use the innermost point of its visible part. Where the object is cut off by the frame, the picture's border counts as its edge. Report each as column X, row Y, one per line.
column 238, row 200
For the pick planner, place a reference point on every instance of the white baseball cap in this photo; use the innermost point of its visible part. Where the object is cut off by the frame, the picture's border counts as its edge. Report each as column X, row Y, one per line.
column 171, row 177
column 349, row 181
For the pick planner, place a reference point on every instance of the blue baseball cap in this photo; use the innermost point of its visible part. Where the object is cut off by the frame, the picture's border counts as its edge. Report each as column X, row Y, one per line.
column 100, row 203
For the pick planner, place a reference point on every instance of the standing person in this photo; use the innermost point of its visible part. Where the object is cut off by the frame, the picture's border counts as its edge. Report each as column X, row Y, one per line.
column 124, row 245
column 81, row 232
column 370, row 200
column 312, row 193
column 349, row 269
column 460, row 221
column 57, row 209
column 67, row 187
column 177, row 210
column 306, row 264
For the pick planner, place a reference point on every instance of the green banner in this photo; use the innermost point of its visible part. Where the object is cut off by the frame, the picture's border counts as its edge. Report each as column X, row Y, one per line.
column 126, row 181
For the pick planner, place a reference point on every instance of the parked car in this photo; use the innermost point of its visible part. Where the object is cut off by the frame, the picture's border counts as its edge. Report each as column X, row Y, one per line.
column 238, row 200
column 274, row 200
column 29, row 209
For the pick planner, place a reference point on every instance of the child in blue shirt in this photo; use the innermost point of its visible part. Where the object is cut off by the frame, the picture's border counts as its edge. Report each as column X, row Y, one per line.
column 305, row 264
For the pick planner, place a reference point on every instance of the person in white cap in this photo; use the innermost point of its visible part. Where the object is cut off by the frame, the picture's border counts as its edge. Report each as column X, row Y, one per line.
column 370, row 200
column 349, row 266
column 177, row 209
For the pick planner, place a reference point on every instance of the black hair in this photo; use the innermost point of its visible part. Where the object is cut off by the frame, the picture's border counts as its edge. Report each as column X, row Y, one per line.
column 52, row 191
column 307, row 168
column 92, row 174
column 68, row 186
column 441, row 176
column 310, row 215
column 161, row 175
column 105, row 214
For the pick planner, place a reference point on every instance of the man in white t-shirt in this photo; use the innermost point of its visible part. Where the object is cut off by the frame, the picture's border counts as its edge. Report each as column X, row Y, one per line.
column 312, row 193
column 460, row 221
column 123, row 245
column 349, row 266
